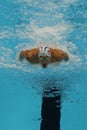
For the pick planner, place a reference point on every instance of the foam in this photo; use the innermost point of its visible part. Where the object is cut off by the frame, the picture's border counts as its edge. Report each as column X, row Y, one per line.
column 45, row 34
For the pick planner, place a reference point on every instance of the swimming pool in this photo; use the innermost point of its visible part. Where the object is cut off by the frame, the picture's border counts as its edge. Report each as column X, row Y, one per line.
column 35, row 98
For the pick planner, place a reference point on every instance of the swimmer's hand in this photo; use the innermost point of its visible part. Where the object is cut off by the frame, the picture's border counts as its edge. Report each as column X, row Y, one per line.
column 66, row 57
column 22, row 55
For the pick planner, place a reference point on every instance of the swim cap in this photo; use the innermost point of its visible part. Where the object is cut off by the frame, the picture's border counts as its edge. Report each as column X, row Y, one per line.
column 44, row 51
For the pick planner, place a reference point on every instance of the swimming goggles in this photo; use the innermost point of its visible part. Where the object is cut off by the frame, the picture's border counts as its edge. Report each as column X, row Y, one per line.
column 44, row 58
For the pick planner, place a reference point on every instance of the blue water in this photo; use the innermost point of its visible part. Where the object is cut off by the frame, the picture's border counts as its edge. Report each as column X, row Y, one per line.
column 24, row 24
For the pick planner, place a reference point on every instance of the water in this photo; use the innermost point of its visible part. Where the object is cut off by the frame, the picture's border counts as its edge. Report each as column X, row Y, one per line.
column 35, row 98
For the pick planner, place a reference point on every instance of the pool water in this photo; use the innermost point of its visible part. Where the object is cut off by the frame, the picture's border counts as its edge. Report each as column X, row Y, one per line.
column 32, row 97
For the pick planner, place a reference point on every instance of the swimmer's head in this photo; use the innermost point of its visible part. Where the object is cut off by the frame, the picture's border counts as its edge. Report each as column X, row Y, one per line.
column 44, row 56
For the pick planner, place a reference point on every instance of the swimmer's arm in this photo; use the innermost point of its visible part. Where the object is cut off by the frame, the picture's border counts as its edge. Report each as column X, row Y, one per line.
column 62, row 55
column 28, row 54
column 59, row 55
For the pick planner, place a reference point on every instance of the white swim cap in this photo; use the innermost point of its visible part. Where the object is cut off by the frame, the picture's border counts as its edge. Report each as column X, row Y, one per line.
column 44, row 51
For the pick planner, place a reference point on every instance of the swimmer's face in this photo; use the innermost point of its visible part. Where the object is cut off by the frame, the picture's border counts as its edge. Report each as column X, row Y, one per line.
column 44, row 60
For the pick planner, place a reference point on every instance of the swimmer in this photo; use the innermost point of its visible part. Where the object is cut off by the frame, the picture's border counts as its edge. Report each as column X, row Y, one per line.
column 43, row 55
